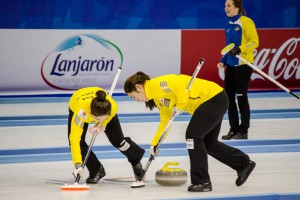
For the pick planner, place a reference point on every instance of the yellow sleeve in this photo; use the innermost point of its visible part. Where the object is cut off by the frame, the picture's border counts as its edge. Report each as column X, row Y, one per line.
column 165, row 115
column 250, row 35
column 75, row 137
column 171, row 87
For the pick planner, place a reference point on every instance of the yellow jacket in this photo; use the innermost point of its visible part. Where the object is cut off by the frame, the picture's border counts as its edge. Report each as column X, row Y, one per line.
column 80, row 104
column 250, row 39
column 170, row 90
column 242, row 32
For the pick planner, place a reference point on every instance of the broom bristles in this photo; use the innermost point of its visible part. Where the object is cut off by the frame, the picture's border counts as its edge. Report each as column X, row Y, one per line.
column 75, row 187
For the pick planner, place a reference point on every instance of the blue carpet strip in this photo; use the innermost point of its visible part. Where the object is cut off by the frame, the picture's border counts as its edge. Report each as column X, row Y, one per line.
column 168, row 149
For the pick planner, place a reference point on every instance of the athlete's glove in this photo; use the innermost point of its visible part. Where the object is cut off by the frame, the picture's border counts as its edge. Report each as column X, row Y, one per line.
column 220, row 65
column 97, row 129
column 154, row 150
column 235, row 51
column 78, row 170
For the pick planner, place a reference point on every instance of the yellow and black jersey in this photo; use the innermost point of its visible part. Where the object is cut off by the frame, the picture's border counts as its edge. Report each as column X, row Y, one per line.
column 171, row 90
column 80, row 104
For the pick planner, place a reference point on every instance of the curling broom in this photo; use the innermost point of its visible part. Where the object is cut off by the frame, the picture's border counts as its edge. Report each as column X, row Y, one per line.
column 231, row 46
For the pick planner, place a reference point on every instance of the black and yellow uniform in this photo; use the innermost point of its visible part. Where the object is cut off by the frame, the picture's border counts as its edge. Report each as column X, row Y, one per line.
column 207, row 103
column 79, row 118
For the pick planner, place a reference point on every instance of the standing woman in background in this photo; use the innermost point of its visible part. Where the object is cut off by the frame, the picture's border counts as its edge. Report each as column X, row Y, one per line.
column 242, row 32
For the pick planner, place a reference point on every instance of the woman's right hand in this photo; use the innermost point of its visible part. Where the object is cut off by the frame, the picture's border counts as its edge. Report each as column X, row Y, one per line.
column 96, row 129
column 220, row 65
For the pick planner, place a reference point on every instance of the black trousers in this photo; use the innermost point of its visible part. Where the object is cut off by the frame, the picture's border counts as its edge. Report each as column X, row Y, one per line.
column 116, row 137
column 236, row 86
column 202, row 140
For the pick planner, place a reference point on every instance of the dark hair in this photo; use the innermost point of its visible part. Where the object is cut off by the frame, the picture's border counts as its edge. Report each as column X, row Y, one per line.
column 100, row 105
column 239, row 4
column 138, row 78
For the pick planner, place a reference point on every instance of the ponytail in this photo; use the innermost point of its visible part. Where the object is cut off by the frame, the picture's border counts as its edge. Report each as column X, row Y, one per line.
column 100, row 105
column 239, row 4
column 138, row 78
column 243, row 12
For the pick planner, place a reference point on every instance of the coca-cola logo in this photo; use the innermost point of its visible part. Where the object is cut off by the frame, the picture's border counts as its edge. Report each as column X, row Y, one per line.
column 278, row 63
column 284, row 62
column 81, row 61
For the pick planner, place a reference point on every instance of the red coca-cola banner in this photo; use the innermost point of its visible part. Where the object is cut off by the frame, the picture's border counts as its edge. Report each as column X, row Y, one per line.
column 278, row 55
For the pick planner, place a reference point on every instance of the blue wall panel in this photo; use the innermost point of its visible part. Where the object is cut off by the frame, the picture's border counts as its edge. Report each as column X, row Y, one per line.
column 141, row 14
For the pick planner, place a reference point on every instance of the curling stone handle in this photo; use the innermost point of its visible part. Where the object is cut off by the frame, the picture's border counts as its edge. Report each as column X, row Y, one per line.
column 166, row 166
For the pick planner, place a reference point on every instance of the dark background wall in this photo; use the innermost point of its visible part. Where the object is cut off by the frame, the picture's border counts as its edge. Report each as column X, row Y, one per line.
column 141, row 14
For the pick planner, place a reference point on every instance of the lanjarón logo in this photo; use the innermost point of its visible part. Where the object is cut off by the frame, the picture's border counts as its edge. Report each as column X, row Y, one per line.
column 81, row 61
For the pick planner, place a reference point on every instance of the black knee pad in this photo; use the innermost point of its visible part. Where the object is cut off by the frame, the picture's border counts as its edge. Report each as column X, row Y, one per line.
column 131, row 150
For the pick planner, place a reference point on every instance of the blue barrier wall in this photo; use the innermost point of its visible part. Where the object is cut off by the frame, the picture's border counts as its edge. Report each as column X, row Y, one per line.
column 141, row 14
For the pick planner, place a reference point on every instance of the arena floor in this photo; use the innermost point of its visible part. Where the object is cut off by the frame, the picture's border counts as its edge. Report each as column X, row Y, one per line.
column 35, row 159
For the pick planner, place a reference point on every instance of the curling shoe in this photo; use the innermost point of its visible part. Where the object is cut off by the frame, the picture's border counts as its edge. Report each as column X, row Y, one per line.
column 200, row 187
column 240, row 136
column 229, row 135
column 138, row 171
column 244, row 174
column 100, row 174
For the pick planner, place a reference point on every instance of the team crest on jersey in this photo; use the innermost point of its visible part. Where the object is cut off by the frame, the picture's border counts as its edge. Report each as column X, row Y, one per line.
column 165, row 102
column 164, row 87
column 237, row 29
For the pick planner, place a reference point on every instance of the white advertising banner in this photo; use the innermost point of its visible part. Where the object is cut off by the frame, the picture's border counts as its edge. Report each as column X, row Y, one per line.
column 55, row 61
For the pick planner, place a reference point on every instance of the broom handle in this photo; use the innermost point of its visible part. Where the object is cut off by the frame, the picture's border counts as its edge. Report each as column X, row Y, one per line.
column 173, row 117
column 87, row 154
column 267, row 76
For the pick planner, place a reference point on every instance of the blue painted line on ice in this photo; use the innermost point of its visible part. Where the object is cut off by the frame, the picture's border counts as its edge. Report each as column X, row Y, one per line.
column 42, row 120
column 64, row 98
column 239, row 143
column 150, row 114
column 167, row 149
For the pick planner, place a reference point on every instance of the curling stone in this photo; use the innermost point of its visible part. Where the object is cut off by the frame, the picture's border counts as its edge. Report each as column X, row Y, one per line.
column 171, row 176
